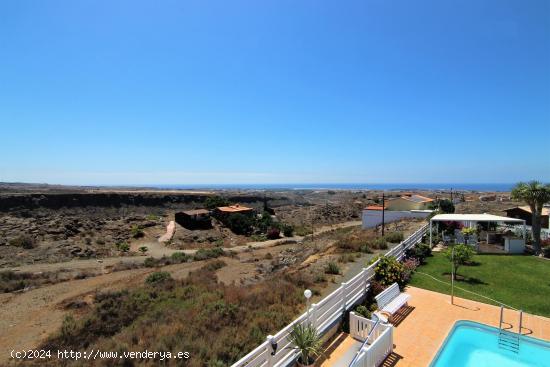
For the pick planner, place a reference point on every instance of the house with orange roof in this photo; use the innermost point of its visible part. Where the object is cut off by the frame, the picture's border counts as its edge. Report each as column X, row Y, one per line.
column 233, row 209
column 409, row 202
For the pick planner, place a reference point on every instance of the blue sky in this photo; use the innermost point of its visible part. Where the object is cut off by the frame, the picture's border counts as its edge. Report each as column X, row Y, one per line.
column 185, row 92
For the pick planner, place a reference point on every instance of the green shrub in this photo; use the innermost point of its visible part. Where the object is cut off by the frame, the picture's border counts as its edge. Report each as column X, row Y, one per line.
column 143, row 249
column 265, row 222
column 215, row 265
column 153, row 217
column 363, row 311
column 124, row 247
column 136, row 231
column 380, row 243
column 346, row 258
column 394, row 237
column 288, row 230
column 180, row 257
column 24, row 241
column 11, row 281
column 446, row 206
column 332, row 268
column 215, row 201
column 150, row 262
column 389, row 271
column 421, row 251
column 302, row 230
column 239, row 223
column 546, row 252
column 158, row 277
column 208, row 253
column 365, row 249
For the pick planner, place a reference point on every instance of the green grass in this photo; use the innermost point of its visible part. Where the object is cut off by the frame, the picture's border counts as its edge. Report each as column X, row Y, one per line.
column 520, row 281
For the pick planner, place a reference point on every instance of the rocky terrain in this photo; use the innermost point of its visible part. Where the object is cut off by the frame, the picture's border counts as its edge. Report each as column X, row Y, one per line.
column 53, row 224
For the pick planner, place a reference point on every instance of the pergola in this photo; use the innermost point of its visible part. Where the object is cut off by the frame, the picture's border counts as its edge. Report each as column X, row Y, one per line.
column 472, row 219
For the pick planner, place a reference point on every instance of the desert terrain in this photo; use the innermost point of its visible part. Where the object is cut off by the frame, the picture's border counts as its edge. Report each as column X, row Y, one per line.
column 61, row 247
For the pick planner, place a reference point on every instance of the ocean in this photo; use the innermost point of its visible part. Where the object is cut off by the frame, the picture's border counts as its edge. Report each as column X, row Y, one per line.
column 500, row 187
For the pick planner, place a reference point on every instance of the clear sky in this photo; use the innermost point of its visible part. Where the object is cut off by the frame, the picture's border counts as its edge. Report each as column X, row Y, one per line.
column 184, row 92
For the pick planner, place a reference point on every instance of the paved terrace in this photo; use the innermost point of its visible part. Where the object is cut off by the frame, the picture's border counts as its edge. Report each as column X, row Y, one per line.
column 422, row 327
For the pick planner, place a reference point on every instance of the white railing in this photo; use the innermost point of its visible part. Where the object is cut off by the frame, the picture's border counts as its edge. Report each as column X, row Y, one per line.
column 380, row 343
column 323, row 314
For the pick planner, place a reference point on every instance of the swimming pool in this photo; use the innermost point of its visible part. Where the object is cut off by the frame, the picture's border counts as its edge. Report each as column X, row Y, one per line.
column 472, row 344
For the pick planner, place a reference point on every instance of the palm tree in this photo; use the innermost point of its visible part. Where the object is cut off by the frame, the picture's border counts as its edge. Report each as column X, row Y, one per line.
column 536, row 195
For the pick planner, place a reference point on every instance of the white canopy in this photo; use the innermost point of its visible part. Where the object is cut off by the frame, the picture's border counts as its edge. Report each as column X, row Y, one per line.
column 474, row 218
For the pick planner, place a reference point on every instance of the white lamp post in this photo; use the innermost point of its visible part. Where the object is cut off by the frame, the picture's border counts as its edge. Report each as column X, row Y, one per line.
column 307, row 294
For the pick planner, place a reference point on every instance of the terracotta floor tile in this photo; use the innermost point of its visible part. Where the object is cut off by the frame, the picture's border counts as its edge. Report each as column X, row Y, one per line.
column 420, row 334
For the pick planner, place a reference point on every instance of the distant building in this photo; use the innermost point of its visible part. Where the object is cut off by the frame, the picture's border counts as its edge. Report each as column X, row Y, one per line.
column 372, row 215
column 409, row 202
column 524, row 212
column 232, row 209
column 194, row 219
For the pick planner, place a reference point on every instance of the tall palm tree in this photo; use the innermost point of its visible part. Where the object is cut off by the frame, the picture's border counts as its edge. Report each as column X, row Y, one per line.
column 536, row 195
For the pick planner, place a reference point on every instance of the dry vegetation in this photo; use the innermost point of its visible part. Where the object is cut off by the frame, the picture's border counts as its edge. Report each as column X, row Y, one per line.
column 214, row 322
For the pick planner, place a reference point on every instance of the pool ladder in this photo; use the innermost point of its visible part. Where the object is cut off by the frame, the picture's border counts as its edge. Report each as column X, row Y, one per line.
column 509, row 340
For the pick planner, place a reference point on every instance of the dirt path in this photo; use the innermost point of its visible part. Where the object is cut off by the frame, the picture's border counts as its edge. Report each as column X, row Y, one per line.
column 156, row 249
column 26, row 318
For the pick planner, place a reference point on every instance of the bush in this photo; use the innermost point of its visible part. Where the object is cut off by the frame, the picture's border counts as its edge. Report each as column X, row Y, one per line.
column 143, row 249
column 288, row 230
column 394, row 237
column 180, row 257
column 215, row 265
column 365, row 249
column 215, row 201
column 302, row 230
column 158, row 277
column 136, row 232
column 409, row 266
column 24, row 241
column 363, row 311
column 124, row 247
column 265, row 222
column 389, row 271
column 332, row 268
column 546, row 252
column 273, row 233
column 380, row 243
column 11, row 281
column 150, row 262
column 446, row 206
column 208, row 253
column 421, row 251
column 239, row 223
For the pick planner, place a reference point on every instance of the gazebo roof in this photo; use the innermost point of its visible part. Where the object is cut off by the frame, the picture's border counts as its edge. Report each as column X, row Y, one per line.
column 484, row 217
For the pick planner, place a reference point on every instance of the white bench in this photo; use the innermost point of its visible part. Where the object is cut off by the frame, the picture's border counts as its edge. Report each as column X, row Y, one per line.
column 390, row 300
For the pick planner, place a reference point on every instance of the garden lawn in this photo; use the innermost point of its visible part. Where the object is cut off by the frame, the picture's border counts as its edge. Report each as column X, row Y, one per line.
column 520, row 281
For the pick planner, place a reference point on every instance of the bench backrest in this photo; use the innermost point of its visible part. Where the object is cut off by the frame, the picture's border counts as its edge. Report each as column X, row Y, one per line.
column 387, row 295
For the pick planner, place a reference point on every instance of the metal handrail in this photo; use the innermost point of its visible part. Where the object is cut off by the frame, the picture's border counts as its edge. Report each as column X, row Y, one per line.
column 365, row 342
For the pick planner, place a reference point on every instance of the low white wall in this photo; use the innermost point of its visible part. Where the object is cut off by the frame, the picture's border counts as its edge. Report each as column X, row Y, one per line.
column 373, row 218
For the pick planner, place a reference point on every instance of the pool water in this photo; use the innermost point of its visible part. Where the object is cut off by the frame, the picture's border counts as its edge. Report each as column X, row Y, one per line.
column 472, row 344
